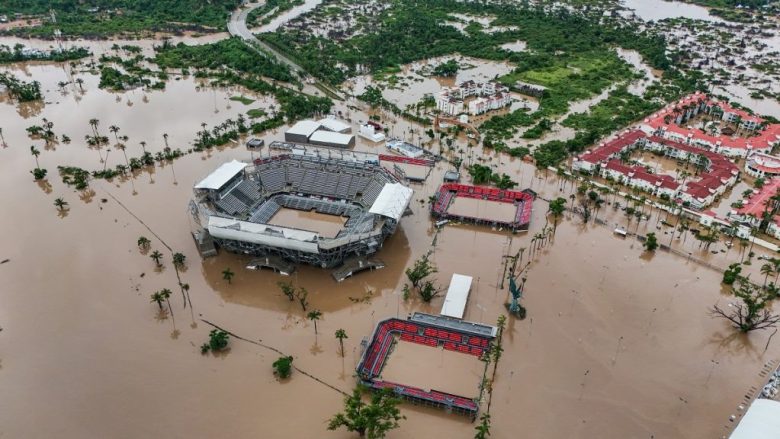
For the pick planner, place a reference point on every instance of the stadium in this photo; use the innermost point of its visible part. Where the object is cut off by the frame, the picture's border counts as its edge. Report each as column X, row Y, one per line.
column 299, row 208
column 483, row 205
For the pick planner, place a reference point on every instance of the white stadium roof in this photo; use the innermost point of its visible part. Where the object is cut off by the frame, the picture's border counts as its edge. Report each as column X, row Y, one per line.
column 221, row 175
column 762, row 421
column 457, row 296
column 331, row 137
column 227, row 228
column 392, row 201
column 334, row 124
column 304, row 128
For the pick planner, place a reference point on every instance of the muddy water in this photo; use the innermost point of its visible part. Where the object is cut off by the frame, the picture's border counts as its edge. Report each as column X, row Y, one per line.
column 482, row 209
column 615, row 341
column 284, row 17
column 326, row 225
column 654, row 10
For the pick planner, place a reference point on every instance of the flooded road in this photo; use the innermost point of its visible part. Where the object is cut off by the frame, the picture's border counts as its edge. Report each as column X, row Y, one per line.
column 615, row 340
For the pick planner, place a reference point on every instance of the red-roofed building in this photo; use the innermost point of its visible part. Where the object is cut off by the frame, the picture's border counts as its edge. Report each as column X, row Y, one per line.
column 754, row 207
column 762, row 165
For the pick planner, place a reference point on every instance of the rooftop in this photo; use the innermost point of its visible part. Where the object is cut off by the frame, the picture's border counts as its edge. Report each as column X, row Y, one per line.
column 304, row 128
column 221, row 175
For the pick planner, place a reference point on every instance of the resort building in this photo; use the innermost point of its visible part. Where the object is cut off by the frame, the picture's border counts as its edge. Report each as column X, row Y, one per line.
column 762, row 165
column 473, row 98
column 669, row 123
column 759, row 206
column 717, row 173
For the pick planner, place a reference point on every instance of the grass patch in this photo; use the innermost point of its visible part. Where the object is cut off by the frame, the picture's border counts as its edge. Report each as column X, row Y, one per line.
column 243, row 99
column 256, row 113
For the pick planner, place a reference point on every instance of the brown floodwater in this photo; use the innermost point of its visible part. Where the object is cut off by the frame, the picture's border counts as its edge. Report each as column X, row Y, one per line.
column 326, row 225
column 475, row 208
column 616, row 344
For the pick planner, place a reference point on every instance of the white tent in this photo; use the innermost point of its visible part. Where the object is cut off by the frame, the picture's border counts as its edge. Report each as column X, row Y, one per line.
column 392, row 201
column 457, row 296
column 221, row 175
column 761, row 421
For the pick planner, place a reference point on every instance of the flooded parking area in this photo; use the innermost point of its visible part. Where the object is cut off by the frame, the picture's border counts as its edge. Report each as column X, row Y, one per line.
column 326, row 225
column 434, row 368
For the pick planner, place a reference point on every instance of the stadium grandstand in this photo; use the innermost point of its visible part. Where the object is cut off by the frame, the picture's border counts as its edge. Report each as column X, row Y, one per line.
column 435, row 331
column 238, row 203
column 519, row 204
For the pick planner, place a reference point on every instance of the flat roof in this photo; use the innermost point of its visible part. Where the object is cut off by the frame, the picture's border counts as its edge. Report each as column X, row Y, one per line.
column 761, row 421
column 392, row 201
column 457, row 296
column 334, row 124
column 221, row 175
column 304, row 128
column 331, row 137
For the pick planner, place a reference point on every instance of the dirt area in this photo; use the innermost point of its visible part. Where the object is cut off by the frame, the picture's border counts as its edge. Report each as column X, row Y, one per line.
column 327, row 226
column 475, row 208
column 429, row 368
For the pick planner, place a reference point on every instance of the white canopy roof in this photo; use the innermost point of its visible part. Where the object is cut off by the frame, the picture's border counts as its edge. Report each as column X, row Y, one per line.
column 304, row 128
column 221, row 175
column 457, row 296
column 392, row 201
column 330, row 137
column 227, row 228
column 334, row 124
column 762, row 421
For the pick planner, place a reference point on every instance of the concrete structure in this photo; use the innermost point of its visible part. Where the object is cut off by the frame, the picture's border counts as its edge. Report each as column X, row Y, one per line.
column 404, row 148
column 530, row 89
column 301, row 131
column 457, row 296
column 370, row 132
column 331, row 139
column 473, row 98
column 668, row 123
column 762, row 165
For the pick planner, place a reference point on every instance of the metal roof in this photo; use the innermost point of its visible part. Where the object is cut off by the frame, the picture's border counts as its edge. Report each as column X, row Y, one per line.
column 457, row 296
column 334, row 124
column 221, row 175
column 761, row 421
column 331, row 137
column 304, row 128
column 392, row 201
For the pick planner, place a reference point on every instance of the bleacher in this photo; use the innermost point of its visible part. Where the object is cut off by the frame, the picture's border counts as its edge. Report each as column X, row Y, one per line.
column 231, row 205
column 523, row 200
column 265, row 212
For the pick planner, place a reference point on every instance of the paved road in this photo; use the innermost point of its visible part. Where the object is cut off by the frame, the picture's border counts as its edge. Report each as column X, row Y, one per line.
column 237, row 27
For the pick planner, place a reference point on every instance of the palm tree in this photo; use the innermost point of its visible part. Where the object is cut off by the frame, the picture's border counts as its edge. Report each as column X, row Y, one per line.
column 165, row 138
column 178, row 259
column 156, row 255
column 158, row 298
column 60, row 203
column 35, row 152
column 94, row 124
column 143, row 242
column 143, row 146
column 80, row 82
column 2, row 139
column 341, row 335
column 314, row 315
column 766, row 270
column 166, row 294
column 227, row 274
column 114, row 129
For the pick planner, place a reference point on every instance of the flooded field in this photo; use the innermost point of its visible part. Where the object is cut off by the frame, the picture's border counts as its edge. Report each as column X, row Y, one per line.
column 429, row 368
column 326, row 225
column 615, row 341
column 474, row 208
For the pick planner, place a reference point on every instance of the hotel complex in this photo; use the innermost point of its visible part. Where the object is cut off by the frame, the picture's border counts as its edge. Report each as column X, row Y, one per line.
column 487, row 96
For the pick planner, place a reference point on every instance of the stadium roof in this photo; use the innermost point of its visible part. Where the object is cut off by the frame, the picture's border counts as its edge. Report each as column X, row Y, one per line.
column 761, row 421
column 457, row 296
column 331, row 138
column 392, row 201
column 304, row 128
column 221, row 175
column 333, row 124
column 228, row 228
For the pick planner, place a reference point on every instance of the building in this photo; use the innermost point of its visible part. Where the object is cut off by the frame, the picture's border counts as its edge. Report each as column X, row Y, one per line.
column 530, row 89
column 301, row 131
column 473, row 98
column 332, row 139
column 330, row 123
column 761, row 421
column 404, row 148
column 457, row 296
column 758, row 205
column 371, row 133
column 669, row 124
column 762, row 165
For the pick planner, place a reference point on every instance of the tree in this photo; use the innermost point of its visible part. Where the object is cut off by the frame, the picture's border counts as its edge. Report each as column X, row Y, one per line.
column 416, row 274
column 60, row 203
column 114, row 129
column 556, row 208
column 227, row 275
column 314, row 315
column 218, row 341
column 143, row 242
column 767, row 269
column 94, row 124
column 651, row 242
column 178, row 259
column 80, row 82
column 750, row 313
column 35, row 153
column 301, row 295
column 341, row 335
column 732, row 273
column 287, row 289
column 372, row 420
column 158, row 298
column 156, row 256
column 283, row 366
column 483, row 429
column 143, row 147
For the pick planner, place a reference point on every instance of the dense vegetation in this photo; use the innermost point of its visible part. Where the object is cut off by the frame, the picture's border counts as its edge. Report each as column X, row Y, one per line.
column 79, row 18
column 21, row 90
column 16, row 54
column 261, row 15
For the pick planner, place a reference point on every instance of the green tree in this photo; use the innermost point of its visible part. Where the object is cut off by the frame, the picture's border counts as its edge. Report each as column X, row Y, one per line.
column 483, row 429
column 314, row 315
column 60, row 203
column 732, row 273
column 372, row 420
column 158, row 298
column 287, row 289
column 651, row 242
column 178, row 259
column 556, row 209
column 227, row 275
column 340, row 336
column 35, row 153
column 157, row 257
column 218, row 341
column 283, row 367
column 144, row 242
column 751, row 312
